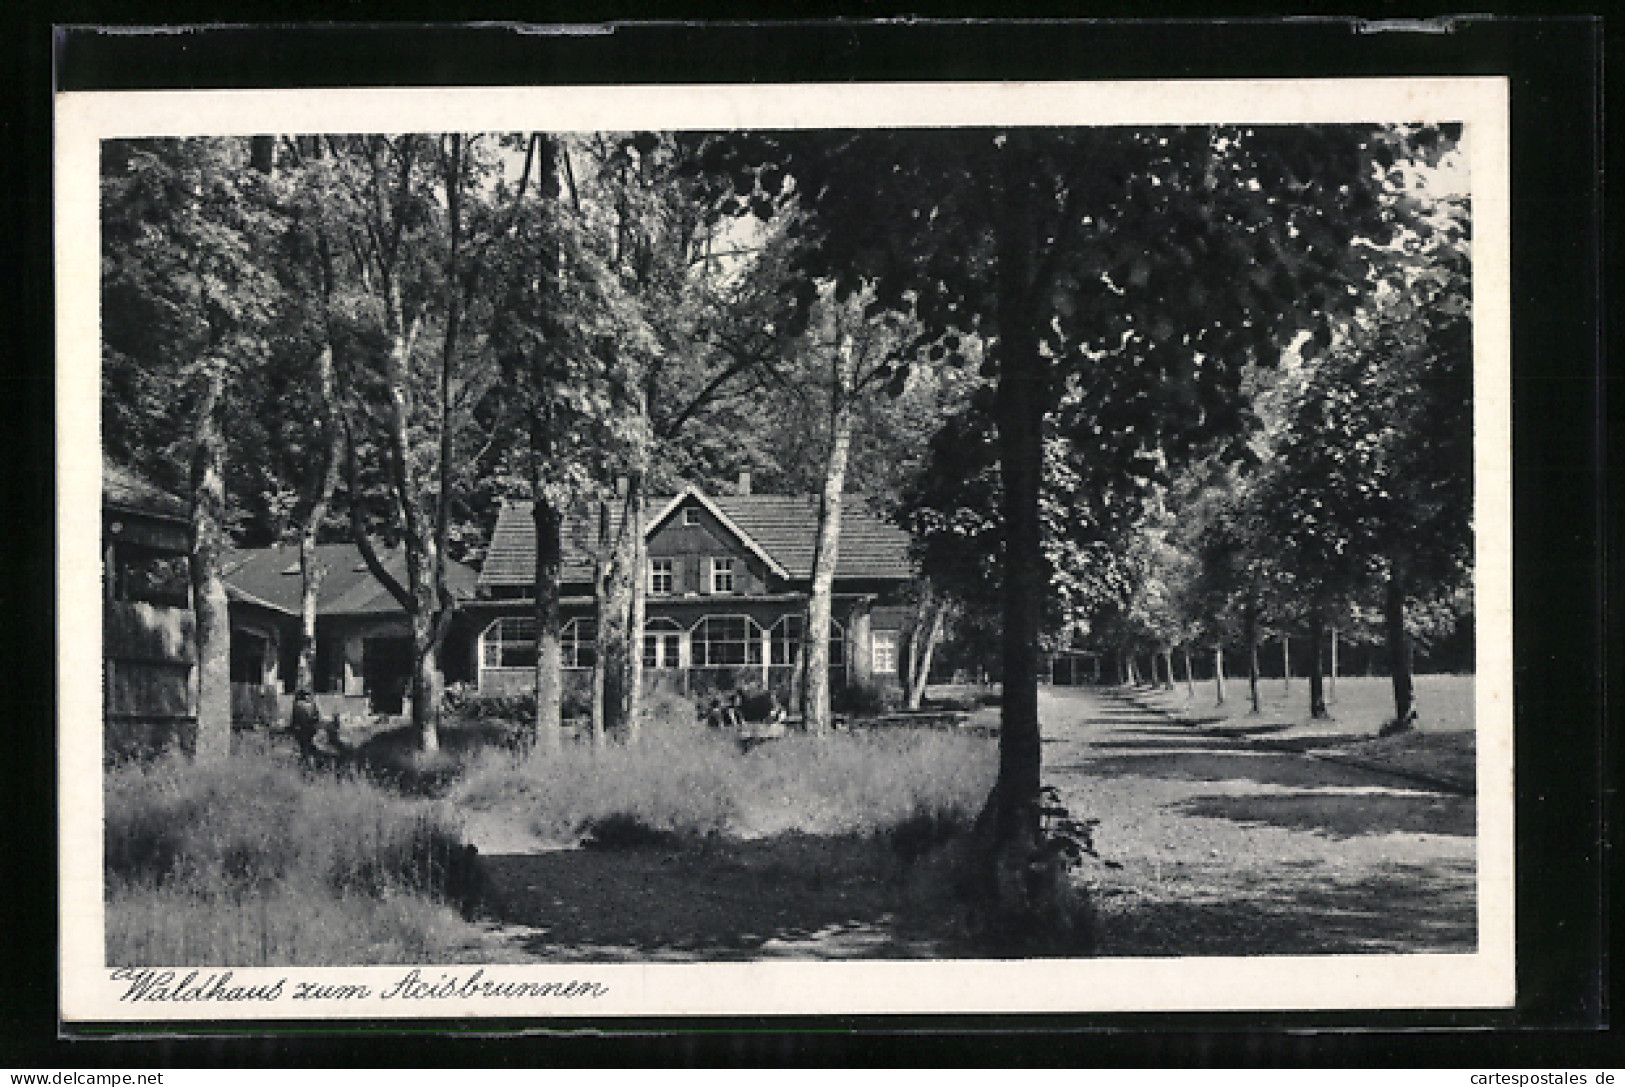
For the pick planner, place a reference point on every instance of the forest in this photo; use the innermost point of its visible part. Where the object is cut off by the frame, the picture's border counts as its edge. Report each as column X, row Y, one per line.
column 1146, row 395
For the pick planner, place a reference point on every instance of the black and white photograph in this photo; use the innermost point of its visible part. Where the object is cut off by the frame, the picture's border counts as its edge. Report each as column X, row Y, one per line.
column 1021, row 547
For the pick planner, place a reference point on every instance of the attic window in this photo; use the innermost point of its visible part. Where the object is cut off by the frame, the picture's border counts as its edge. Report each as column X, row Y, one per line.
column 691, row 515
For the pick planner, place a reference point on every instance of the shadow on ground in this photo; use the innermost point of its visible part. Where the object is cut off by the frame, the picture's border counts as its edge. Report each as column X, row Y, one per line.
column 1400, row 908
column 1200, row 760
column 794, row 895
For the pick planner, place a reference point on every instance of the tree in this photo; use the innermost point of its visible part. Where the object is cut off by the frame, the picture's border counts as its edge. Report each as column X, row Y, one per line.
column 848, row 357
column 184, row 304
column 1374, row 478
column 1154, row 262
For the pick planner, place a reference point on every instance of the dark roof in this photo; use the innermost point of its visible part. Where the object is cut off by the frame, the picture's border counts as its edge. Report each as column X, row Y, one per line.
column 269, row 576
column 126, row 489
column 782, row 526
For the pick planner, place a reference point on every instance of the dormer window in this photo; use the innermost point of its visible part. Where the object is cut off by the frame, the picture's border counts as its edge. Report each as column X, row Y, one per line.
column 722, row 575
column 691, row 515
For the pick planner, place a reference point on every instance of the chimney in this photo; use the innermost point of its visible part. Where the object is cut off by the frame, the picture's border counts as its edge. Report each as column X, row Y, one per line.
column 744, row 481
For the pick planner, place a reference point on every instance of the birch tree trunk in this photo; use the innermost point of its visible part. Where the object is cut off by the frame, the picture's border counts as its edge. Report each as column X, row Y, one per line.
column 311, row 573
column 1332, row 696
column 815, row 701
column 601, row 603
column 922, row 645
column 1190, row 676
column 549, row 664
column 638, row 579
column 1218, row 674
column 213, row 741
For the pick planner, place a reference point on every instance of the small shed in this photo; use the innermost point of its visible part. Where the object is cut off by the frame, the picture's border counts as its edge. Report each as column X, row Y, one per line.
column 149, row 645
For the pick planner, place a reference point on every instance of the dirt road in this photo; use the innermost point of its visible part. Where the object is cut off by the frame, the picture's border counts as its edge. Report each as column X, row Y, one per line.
column 1227, row 849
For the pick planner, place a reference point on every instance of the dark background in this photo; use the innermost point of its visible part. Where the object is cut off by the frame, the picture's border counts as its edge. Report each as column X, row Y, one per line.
column 1564, row 649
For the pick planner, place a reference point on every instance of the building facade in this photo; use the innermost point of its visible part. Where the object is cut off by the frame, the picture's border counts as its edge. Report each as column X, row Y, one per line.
column 727, row 582
column 363, row 635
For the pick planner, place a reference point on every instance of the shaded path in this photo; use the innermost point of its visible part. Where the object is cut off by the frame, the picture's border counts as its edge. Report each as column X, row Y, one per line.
column 1230, row 849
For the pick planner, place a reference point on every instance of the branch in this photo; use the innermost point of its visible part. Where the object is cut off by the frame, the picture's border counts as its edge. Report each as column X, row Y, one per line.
column 358, row 531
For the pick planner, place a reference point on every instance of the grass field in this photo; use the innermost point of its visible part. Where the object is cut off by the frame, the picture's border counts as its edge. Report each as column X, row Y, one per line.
column 686, row 781
column 252, row 862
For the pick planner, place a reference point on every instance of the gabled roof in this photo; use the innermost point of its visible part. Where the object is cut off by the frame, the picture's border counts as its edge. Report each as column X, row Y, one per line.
column 779, row 528
column 126, row 489
column 269, row 576
column 694, row 494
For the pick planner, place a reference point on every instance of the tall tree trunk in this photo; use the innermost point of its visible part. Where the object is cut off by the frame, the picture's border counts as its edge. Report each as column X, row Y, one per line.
column 1333, row 694
column 1286, row 661
column 637, row 607
column 311, row 572
column 549, row 664
column 619, row 584
column 1218, row 673
column 1190, row 676
column 1399, row 649
column 1317, row 694
column 1168, row 667
column 815, row 701
column 922, row 646
column 1020, row 408
column 602, row 575
column 209, row 603
column 1251, row 623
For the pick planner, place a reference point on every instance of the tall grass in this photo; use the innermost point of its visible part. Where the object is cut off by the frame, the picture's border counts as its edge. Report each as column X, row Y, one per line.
column 686, row 780
column 251, row 861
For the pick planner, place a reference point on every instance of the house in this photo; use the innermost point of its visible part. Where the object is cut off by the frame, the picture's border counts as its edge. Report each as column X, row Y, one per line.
column 149, row 646
column 727, row 583
column 363, row 635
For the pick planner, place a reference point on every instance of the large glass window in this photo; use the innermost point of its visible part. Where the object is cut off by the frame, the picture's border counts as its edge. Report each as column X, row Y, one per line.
column 722, row 575
column 511, row 643
column 784, row 640
column 883, row 644
column 660, row 577
column 662, row 644
column 578, row 643
column 721, row 640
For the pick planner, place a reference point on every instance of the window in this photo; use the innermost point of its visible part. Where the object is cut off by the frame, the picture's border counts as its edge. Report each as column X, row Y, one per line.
column 883, row 648
column 660, row 577
column 721, row 640
column 511, row 643
column 662, row 644
column 784, row 640
column 578, row 643
column 150, row 575
column 722, row 575
column 691, row 515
